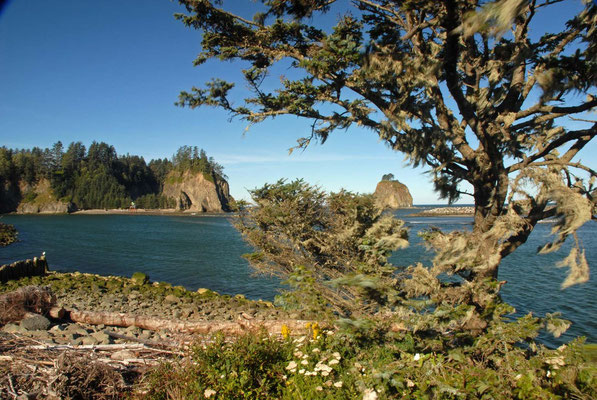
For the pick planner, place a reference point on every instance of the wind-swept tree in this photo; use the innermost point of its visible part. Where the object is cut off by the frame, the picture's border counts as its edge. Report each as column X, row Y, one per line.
column 387, row 177
column 464, row 88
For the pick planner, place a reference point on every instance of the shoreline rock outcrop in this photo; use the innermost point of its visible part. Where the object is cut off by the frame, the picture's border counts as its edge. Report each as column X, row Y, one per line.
column 392, row 194
column 43, row 200
column 197, row 192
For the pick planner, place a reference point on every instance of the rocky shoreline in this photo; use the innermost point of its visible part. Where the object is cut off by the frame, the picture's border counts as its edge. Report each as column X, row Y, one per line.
column 135, row 296
column 138, row 211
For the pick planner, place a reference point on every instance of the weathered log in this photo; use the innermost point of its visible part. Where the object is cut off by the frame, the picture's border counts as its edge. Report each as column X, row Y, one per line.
column 106, row 347
column 296, row 327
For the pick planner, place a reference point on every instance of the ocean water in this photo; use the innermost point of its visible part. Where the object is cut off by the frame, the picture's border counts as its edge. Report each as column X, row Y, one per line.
column 206, row 251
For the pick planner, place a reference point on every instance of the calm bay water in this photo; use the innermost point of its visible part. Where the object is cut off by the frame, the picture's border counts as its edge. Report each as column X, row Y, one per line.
column 205, row 251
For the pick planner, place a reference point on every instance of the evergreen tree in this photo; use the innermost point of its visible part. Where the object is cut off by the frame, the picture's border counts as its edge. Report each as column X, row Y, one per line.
column 459, row 86
column 96, row 178
column 387, row 177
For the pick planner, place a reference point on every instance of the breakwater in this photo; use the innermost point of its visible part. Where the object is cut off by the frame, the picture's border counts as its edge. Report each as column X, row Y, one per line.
column 38, row 266
column 446, row 211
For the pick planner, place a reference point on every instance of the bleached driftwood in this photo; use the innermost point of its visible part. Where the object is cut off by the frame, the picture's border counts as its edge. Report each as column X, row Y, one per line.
column 108, row 347
column 202, row 327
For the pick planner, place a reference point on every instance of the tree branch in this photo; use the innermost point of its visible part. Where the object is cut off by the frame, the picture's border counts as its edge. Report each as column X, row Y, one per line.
column 581, row 136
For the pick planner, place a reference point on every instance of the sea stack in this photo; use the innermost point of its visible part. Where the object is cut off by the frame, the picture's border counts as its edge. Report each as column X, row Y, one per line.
column 197, row 192
column 390, row 193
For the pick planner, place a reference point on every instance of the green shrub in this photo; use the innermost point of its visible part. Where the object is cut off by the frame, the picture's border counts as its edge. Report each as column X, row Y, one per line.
column 29, row 197
column 377, row 365
column 251, row 367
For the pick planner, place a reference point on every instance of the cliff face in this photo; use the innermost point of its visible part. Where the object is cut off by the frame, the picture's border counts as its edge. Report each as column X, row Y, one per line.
column 195, row 192
column 9, row 197
column 40, row 199
column 392, row 194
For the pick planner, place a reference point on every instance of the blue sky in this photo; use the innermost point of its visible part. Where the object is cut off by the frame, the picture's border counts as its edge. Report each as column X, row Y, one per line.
column 111, row 70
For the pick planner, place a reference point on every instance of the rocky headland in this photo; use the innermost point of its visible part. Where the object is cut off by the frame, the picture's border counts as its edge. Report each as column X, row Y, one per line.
column 197, row 192
column 191, row 192
column 39, row 199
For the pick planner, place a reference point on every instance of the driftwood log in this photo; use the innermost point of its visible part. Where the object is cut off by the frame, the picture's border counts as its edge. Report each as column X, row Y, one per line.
column 238, row 327
column 233, row 328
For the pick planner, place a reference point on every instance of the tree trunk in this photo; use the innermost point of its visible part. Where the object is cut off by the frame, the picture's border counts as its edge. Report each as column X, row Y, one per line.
column 490, row 193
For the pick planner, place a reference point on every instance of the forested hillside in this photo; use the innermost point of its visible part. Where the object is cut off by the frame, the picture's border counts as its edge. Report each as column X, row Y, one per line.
column 95, row 177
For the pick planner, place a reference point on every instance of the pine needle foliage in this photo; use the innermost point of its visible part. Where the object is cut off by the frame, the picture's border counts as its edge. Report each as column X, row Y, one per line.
column 460, row 87
column 331, row 249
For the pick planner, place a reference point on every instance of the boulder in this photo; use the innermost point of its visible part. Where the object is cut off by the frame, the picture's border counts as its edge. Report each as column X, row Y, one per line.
column 392, row 194
column 101, row 337
column 171, row 299
column 35, row 323
column 139, row 278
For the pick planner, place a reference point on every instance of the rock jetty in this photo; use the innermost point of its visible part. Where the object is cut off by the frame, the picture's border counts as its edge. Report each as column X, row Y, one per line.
column 446, row 211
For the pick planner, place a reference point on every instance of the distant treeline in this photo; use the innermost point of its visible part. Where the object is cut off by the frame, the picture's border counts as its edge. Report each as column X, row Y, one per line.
column 96, row 177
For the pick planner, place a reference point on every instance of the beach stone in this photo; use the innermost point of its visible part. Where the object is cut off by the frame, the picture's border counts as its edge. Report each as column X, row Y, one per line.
column 171, row 299
column 13, row 328
column 139, row 278
column 58, row 328
column 40, row 335
column 186, row 312
column 77, row 330
column 122, row 355
column 101, row 337
column 145, row 335
column 71, row 337
column 35, row 323
column 88, row 340
column 132, row 330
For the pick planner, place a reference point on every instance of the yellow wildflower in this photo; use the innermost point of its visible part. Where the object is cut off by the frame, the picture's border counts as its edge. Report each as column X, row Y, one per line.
column 316, row 330
column 285, row 331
